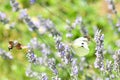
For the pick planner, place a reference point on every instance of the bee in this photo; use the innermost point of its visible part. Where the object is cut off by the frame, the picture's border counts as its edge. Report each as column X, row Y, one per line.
column 15, row 44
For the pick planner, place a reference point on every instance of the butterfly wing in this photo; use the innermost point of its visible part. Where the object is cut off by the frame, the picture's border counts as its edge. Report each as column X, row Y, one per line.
column 18, row 46
column 10, row 46
column 80, row 51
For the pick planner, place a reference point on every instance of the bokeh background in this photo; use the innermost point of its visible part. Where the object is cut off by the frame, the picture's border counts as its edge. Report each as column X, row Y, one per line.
column 93, row 12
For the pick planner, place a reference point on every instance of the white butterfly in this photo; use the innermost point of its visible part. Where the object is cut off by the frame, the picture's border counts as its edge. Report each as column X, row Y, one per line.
column 80, row 46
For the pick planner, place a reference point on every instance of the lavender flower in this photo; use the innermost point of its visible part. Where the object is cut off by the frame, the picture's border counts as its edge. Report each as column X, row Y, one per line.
column 43, row 76
column 5, row 55
column 23, row 14
column 78, row 21
column 45, row 49
column 3, row 18
column 15, row 5
column 37, row 75
column 40, row 25
column 111, row 6
column 116, row 58
column 52, row 66
column 46, row 23
column 30, row 72
column 84, row 31
column 32, row 1
column 31, row 56
column 26, row 18
column 64, row 50
column 44, row 60
column 69, row 35
column 99, row 50
column 35, row 43
column 56, row 78
column 109, row 66
column 70, row 27
column 74, row 68
column 30, row 24
column 48, row 26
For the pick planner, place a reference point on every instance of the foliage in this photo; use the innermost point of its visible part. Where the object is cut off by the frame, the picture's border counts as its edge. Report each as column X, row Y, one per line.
column 43, row 32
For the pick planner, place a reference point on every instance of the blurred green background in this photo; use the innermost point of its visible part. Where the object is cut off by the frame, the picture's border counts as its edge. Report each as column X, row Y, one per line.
column 94, row 13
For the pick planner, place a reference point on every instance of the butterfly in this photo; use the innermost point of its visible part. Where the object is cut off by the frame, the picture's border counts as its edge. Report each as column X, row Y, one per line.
column 80, row 46
column 15, row 44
